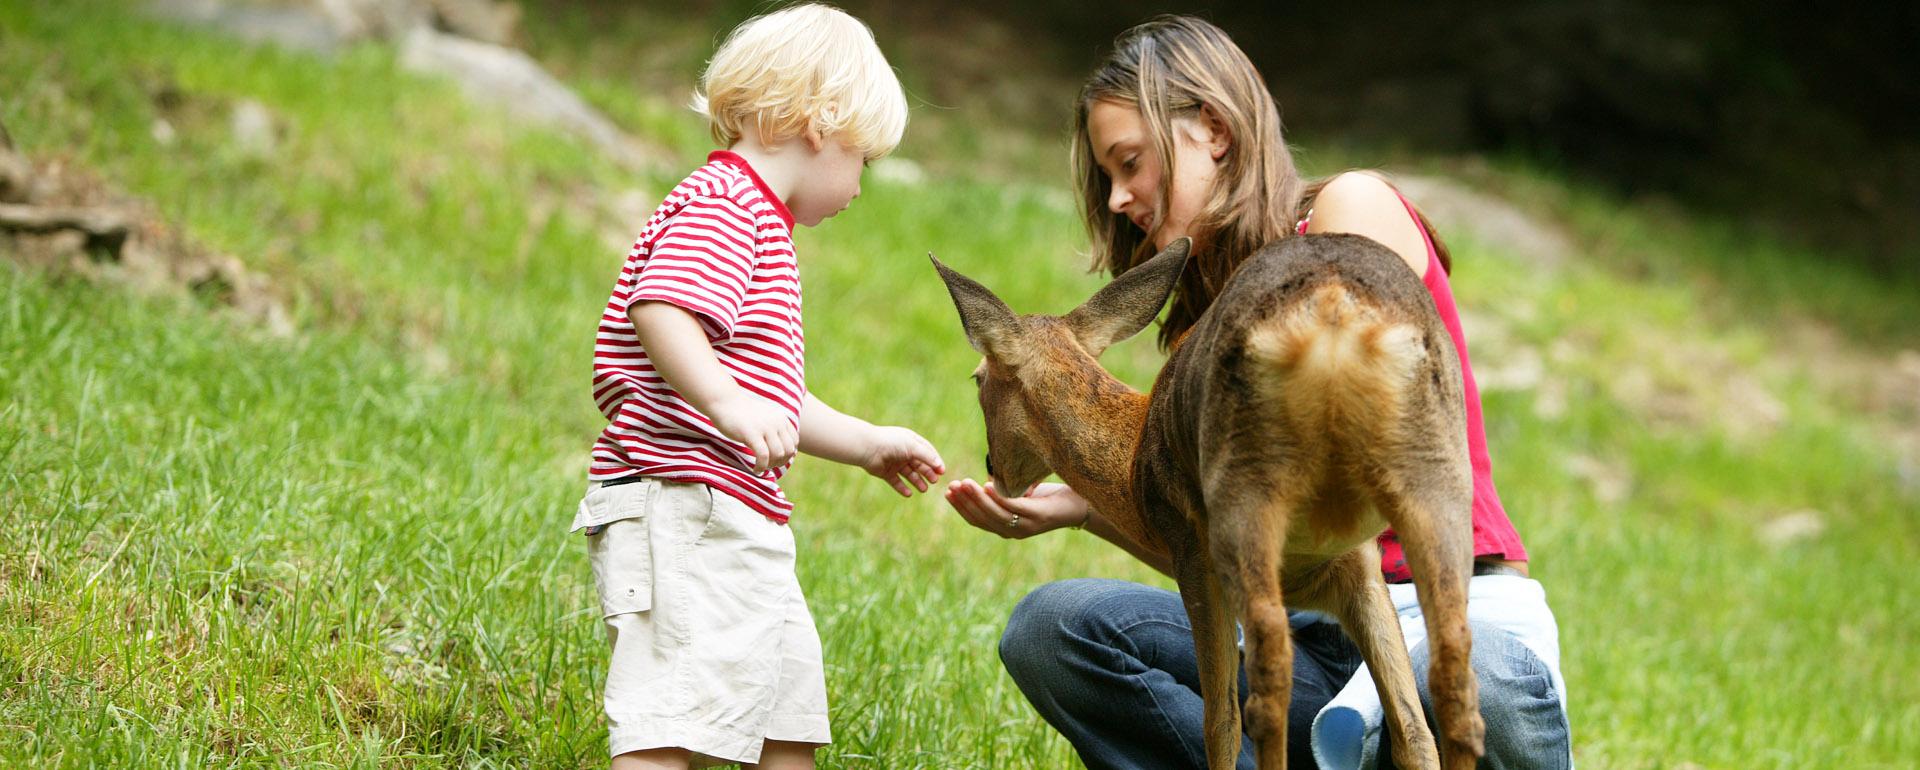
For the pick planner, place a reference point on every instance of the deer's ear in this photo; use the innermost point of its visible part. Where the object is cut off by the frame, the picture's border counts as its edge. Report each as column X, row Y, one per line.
column 990, row 324
column 1131, row 301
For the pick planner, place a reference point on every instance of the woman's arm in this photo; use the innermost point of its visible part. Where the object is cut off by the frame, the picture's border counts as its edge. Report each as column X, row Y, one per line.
column 1049, row 507
column 1105, row 530
column 1364, row 204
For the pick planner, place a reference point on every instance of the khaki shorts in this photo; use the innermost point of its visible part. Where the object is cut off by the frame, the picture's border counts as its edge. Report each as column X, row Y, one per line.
column 713, row 648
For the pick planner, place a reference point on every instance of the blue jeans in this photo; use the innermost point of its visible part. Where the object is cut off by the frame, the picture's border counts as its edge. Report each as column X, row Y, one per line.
column 1110, row 664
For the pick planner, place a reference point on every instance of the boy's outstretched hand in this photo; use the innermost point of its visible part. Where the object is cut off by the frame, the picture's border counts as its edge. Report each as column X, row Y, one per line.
column 901, row 457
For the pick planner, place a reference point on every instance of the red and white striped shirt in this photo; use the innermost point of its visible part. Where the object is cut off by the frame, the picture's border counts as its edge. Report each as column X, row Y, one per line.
column 721, row 247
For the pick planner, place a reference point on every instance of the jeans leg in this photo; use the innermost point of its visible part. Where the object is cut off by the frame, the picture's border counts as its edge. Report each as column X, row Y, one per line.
column 1111, row 665
column 1324, row 660
column 1526, row 729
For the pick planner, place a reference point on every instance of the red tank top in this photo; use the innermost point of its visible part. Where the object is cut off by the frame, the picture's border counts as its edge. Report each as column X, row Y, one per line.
column 1493, row 532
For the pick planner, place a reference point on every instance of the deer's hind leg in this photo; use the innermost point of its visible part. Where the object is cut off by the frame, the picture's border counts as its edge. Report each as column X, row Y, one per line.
column 1428, row 498
column 1249, row 516
column 1353, row 590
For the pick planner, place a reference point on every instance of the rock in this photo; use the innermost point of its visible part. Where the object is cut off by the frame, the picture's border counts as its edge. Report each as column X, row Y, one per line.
column 103, row 229
column 1550, row 399
column 1609, row 482
column 373, row 19
column 16, row 178
column 1906, row 368
column 253, row 129
column 512, row 80
column 1748, row 409
column 1792, row 528
column 482, row 20
column 291, row 26
column 1518, row 367
column 163, row 132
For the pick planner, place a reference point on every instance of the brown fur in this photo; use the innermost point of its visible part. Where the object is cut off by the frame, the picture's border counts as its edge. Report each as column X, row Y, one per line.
column 1317, row 402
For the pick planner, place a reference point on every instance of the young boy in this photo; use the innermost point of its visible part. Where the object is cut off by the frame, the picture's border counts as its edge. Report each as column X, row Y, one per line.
column 698, row 368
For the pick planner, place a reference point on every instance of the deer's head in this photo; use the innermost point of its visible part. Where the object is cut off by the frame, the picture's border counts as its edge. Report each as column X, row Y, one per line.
column 1037, row 358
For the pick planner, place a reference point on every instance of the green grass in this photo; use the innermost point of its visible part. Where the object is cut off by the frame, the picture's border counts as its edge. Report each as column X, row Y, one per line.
column 226, row 548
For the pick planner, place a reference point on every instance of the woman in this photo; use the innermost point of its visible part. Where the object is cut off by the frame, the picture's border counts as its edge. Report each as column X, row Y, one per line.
column 1176, row 135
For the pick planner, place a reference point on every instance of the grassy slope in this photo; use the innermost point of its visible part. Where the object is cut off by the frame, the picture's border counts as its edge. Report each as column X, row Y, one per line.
column 347, row 548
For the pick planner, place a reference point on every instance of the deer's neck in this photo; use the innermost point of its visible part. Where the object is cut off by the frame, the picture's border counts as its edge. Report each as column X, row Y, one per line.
column 1093, row 422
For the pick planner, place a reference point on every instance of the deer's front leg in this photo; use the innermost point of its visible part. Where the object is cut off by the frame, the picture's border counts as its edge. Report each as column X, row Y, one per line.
column 1215, row 649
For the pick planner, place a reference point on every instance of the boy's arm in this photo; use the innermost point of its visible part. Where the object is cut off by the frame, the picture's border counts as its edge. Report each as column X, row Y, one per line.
column 897, row 455
column 678, row 349
column 829, row 434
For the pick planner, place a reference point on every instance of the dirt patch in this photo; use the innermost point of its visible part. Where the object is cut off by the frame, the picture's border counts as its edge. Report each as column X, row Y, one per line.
column 63, row 220
column 1881, row 385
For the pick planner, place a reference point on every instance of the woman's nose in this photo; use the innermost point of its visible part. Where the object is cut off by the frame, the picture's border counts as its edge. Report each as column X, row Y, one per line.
column 1118, row 199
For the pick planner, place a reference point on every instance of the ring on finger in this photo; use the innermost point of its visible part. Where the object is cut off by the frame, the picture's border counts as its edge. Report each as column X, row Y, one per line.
column 1014, row 522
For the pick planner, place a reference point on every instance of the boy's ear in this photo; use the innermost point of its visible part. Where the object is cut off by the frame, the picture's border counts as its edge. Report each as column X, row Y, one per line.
column 991, row 326
column 816, row 141
column 1131, row 301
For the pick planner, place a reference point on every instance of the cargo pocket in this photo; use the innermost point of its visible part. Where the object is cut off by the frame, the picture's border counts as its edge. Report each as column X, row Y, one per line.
column 622, row 554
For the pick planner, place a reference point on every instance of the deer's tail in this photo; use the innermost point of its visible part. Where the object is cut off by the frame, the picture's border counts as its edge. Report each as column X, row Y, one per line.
column 1337, row 362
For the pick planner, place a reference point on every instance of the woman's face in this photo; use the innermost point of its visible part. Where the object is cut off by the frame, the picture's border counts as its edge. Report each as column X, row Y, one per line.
column 1125, row 153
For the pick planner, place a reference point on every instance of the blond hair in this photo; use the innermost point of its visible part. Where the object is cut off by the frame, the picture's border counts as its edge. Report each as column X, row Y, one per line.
column 805, row 68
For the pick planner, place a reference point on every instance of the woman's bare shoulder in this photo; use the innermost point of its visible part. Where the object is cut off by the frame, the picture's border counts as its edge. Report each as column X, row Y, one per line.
column 1364, row 203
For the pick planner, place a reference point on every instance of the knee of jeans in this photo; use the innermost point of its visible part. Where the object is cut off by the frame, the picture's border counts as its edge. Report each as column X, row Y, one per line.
column 1518, row 701
column 1035, row 623
column 1502, row 662
column 1044, row 619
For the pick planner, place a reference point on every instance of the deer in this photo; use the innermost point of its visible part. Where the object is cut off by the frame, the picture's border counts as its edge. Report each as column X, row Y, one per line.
column 1315, row 403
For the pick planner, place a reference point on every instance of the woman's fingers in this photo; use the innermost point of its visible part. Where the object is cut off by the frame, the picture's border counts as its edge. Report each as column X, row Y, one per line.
column 960, row 495
column 982, row 511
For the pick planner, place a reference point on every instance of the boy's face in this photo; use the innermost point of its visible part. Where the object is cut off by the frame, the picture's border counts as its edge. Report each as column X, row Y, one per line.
column 830, row 182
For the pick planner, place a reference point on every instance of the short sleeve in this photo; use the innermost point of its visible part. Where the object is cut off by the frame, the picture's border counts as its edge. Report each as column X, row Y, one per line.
column 701, row 259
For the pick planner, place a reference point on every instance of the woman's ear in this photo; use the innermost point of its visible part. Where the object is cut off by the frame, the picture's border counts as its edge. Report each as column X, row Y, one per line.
column 1218, row 137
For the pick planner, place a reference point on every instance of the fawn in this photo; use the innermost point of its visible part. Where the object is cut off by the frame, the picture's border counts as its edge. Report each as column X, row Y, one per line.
column 1316, row 402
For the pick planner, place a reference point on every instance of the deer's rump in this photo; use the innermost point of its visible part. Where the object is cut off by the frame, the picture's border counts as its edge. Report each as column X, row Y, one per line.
column 1330, row 349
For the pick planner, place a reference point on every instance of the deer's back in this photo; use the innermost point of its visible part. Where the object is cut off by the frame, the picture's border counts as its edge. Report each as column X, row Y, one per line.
column 1322, row 358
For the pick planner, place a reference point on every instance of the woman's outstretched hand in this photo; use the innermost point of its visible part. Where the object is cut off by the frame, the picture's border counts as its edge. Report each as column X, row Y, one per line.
column 1047, row 507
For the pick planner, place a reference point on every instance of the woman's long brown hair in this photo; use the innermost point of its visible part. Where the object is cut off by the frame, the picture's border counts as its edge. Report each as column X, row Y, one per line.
column 1171, row 67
